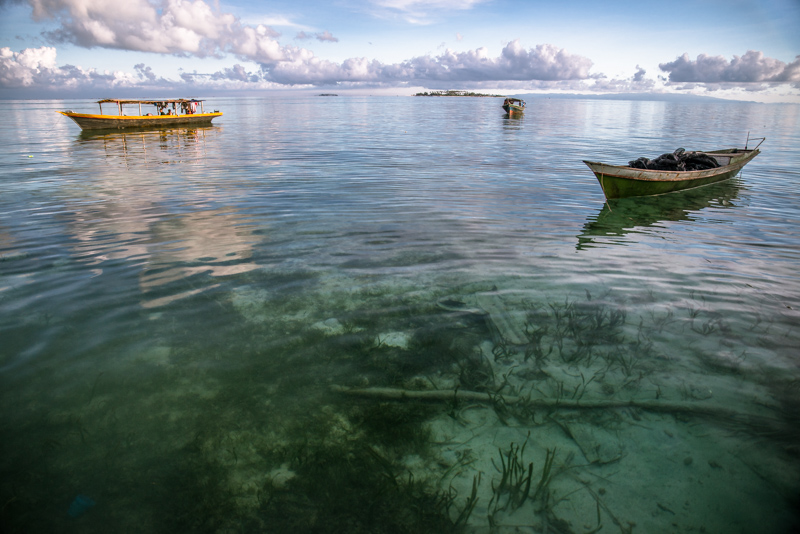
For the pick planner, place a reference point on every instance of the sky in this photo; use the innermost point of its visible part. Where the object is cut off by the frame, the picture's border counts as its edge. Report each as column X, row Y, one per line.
column 733, row 49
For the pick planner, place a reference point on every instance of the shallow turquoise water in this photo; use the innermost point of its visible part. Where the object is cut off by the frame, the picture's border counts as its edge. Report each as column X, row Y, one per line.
column 175, row 305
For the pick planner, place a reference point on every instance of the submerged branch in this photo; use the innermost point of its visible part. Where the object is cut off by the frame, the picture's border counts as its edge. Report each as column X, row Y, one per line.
column 477, row 396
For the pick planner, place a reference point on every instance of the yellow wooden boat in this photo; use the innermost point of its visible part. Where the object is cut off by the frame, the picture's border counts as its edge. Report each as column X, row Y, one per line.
column 175, row 112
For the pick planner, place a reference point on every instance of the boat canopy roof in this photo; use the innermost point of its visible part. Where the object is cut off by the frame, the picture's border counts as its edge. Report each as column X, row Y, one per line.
column 152, row 101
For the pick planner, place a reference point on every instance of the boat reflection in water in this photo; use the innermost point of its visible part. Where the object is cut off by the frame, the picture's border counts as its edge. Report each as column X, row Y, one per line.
column 516, row 117
column 623, row 216
column 512, row 122
column 127, row 212
column 144, row 146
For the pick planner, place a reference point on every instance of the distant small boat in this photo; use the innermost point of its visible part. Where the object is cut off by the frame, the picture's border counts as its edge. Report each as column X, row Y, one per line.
column 176, row 112
column 626, row 181
column 513, row 105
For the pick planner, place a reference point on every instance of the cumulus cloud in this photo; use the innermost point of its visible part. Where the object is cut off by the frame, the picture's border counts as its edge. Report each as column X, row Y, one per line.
column 409, row 5
column 236, row 73
column 177, row 26
column 33, row 73
column 544, row 62
column 751, row 68
column 145, row 73
column 195, row 28
column 300, row 67
column 27, row 67
column 543, row 67
column 421, row 11
column 35, row 68
column 180, row 27
column 629, row 85
column 321, row 36
column 326, row 36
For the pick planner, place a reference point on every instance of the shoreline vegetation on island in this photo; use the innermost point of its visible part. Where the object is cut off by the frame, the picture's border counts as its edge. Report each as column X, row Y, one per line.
column 456, row 93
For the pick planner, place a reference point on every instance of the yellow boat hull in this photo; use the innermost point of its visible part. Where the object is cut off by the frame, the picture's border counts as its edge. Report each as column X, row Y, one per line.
column 112, row 122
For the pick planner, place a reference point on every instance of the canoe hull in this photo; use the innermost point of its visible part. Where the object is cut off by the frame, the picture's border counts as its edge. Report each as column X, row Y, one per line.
column 114, row 122
column 513, row 105
column 513, row 108
column 623, row 182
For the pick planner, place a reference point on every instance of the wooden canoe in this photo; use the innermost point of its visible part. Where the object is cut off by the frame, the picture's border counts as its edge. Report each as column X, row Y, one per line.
column 112, row 122
column 513, row 105
column 623, row 181
column 182, row 112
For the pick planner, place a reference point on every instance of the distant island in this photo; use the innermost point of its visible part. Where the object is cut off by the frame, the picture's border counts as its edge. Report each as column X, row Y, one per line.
column 456, row 93
column 327, row 94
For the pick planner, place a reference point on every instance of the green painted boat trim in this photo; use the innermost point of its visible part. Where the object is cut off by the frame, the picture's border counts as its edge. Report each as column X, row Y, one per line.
column 623, row 182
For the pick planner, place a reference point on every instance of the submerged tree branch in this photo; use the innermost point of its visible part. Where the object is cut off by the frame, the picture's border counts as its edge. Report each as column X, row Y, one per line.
column 459, row 395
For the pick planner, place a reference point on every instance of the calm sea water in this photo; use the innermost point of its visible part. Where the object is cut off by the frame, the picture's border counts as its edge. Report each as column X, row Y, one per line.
column 176, row 306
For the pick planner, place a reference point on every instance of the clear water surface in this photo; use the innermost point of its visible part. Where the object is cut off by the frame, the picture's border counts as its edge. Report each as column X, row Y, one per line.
column 187, row 315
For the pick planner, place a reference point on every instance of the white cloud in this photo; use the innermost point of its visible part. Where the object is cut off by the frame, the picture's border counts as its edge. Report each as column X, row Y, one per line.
column 145, row 72
column 35, row 69
column 174, row 27
column 321, row 36
column 427, row 5
column 543, row 67
column 544, row 62
column 27, row 67
column 257, row 44
column 280, row 21
column 751, row 68
column 326, row 36
column 421, row 11
column 181, row 27
column 635, row 84
column 237, row 72
column 194, row 28
column 293, row 66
